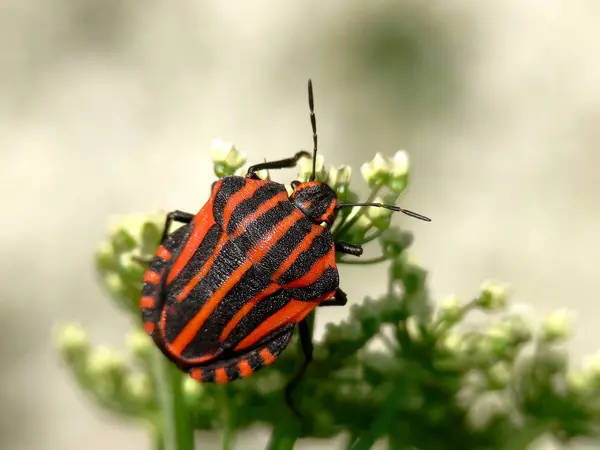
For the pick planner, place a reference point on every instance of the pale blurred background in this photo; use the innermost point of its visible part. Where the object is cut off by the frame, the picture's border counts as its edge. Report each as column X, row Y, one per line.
column 108, row 107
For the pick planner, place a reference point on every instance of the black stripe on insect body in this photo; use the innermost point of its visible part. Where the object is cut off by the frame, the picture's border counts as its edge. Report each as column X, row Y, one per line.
column 328, row 281
column 263, row 309
column 319, row 247
column 257, row 229
column 228, row 186
column 247, row 207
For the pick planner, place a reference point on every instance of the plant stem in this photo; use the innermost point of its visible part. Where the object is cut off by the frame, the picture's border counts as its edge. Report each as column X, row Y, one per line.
column 228, row 420
column 281, row 439
column 176, row 428
column 364, row 262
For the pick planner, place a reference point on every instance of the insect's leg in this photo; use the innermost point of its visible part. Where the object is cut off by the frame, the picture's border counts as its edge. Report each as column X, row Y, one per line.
column 349, row 249
column 307, row 349
column 279, row 164
column 339, row 299
column 173, row 216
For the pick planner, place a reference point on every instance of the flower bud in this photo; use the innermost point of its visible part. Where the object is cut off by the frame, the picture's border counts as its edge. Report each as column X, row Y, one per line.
column 379, row 216
column 191, row 388
column 139, row 387
column 492, row 296
column 557, row 326
column 376, row 172
column 399, row 172
column 72, row 341
column 500, row 374
column 226, row 158
column 104, row 362
column 305, row 168
column 139, row 343
column 450, row 309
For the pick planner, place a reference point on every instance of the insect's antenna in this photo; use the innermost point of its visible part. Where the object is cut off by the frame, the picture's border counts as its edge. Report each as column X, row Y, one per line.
column 390, row 207
column 313, row 122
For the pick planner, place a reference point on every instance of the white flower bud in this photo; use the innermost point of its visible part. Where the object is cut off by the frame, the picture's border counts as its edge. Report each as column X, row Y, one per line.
column 450, row 309
column 104, row 362
column 492, row 296
column 557, row 326
column 225, row 153
column 72, row 340
column 400, row 164
column 376, row 171
column 305, row 168
column 139, row 343
column 191, row 388
column 377, row 214
column 139, row 386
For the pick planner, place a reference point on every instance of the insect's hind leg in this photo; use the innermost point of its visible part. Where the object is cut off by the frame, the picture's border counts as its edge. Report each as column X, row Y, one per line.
column 339, row 299
column 173, row 216
column 307, row 349
column 279, row 164
column 349, row 249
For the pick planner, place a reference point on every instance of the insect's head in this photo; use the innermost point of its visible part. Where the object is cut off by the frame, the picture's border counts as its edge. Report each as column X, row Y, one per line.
column 316, row 200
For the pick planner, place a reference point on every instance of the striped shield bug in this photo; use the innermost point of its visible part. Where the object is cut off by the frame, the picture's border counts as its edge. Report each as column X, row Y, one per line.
column 224, row 293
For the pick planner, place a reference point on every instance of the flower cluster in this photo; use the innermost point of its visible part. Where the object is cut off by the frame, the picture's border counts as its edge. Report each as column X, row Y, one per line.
column 433, row 382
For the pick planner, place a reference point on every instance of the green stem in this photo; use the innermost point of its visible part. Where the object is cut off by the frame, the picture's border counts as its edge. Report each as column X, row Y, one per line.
column 176, row 427
column 158, row 441
column 374, row 236
column 364, row 262
column 228, row 420
column 281, row 439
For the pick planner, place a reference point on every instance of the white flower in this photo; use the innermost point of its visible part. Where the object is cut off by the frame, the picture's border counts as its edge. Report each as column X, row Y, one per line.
column 305, row 168
column 399, row 172
column 376, row 171
column 400, row 164
column 450, row 308
column 557, row 326
column 225, row 153
column 492, row 296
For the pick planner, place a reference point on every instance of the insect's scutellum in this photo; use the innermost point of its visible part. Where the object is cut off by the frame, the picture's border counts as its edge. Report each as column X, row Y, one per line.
column 223, row 293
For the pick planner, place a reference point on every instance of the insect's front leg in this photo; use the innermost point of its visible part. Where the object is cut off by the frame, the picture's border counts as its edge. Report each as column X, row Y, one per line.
column 279, row 164
column 339, row 299
column 173, row 216
column 349, row 249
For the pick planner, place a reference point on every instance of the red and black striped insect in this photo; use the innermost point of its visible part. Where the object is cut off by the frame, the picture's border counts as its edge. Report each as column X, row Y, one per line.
column 225, row 291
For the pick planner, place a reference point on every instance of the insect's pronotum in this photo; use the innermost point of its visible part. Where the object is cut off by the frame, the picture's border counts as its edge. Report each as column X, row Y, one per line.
column 224, row 292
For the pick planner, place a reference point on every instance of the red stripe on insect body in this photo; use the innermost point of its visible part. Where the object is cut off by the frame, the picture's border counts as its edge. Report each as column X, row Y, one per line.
column 246, row 308
column 151, row 277
column 221, row 375
column 256, row 254
column 244, row 368
column 315, row 272
column 201, row 224
column 263, row 209
column 164, row 253
column 196, row 374
column 267, row 357
column 147, row 302
column 293, row 312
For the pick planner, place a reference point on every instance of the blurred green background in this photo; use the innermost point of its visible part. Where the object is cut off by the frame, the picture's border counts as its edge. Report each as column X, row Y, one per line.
column 108, row 107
